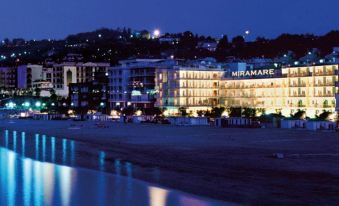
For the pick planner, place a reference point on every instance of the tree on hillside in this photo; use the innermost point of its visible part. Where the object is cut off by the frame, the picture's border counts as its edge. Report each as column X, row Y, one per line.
column 222, row 48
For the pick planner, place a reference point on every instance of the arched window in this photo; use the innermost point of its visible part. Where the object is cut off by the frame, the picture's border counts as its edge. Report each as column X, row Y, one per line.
column 69, row 77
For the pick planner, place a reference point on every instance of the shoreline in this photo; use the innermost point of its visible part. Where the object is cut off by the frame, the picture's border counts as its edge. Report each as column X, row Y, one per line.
column 234, row 165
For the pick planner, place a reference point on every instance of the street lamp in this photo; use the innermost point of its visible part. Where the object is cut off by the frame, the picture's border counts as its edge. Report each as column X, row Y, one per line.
column 27, row 104
column 11, row 105
column 156, row 33
column 38, row 104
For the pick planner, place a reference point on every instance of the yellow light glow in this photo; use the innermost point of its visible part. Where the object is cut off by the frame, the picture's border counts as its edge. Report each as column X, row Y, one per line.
column 138, row 113
column 300, row 88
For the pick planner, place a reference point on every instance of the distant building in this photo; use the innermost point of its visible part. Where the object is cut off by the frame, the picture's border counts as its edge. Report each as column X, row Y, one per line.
column 210, row 46
column 47, row 74
column 169, row 40
column 311, row 58
column 8, row 77
column 27, row 74
column 73, row 57
column 89, row 97
column 256, row 63
column 45, row 87
column 70, row 72
column 333, row 57
column 63, row 75
column 286, row 59
column 132, row 83
column 237, row 66
column 144, row 34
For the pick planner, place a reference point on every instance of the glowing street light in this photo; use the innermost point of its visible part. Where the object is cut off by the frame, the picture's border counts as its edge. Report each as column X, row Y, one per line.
column 38, row 104
column 27, row 104
column 156, row 33
column 11, row 105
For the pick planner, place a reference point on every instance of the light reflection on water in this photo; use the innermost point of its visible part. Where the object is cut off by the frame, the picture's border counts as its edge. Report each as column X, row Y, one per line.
column 62, row 151
column 26, row 182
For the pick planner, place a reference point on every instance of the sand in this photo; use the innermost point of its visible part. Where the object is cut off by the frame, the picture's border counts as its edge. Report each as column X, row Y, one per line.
column 235, row 165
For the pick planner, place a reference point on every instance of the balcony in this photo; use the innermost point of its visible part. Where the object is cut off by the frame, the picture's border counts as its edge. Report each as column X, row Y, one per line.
column 328, row 73
column 297, row 95
column 298, row 85
column 300, row 74
column 324, row 95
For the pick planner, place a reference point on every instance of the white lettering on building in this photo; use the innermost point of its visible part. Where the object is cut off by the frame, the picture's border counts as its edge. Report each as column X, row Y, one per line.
column 253, row 73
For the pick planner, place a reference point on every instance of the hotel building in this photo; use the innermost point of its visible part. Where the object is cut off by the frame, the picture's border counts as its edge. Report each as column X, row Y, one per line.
column 309, row 88
column 193, row 88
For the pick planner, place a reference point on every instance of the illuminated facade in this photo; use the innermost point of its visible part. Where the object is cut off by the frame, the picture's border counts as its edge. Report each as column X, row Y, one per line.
column 186, row 87
column 309, row 88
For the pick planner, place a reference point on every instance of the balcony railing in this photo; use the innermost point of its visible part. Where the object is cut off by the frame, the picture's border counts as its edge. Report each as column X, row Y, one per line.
column 328, row 73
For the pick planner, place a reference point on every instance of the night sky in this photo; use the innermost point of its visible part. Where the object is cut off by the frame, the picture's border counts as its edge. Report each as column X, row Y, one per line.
column 58, row 18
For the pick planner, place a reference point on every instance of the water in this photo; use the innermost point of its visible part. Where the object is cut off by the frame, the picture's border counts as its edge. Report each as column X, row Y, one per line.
column 25, row 181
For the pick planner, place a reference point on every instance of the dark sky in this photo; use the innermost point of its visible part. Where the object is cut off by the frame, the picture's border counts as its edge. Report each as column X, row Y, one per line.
column 57, row 18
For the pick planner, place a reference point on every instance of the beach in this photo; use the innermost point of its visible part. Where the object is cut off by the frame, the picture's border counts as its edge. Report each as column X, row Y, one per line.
column 235, row 165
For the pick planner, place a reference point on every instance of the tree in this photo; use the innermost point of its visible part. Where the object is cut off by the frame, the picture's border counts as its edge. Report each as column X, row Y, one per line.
column 235, row 112
column 29, row 92
column 299, row 115
column 183, row 111
column 153, row 111
column 238, row 42
column 217, row 112
column 201, row 113
column 37, row 92
column 223, row 44
column 222, row 48
column 128, row 111
column 249, row 112
column 188, row 40
column 270, row 117
column 324, row 116
column 238, row 46
column 53, row 96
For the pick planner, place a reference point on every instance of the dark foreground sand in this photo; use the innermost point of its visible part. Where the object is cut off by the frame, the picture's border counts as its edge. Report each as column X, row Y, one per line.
column 228, row 164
